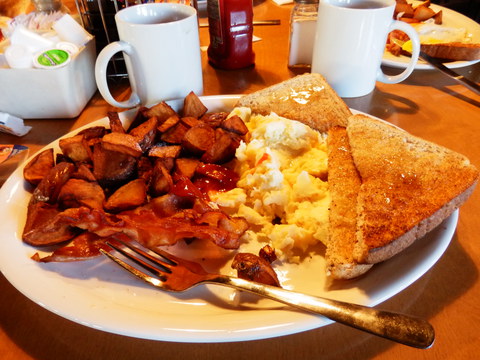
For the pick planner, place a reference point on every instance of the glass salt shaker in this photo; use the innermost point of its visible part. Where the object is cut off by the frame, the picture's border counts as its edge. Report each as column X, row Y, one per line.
column 303, row 21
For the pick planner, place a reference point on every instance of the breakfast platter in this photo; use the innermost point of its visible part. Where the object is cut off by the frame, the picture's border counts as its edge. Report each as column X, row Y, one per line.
column 451, row 19
column 98, row 294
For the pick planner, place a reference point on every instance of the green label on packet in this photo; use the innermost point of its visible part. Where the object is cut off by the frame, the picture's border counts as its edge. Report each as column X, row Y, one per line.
column 53, row 57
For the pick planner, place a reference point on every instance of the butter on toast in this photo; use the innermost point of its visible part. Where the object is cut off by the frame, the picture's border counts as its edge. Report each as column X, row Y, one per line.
column 409, row 186
column 307, row 98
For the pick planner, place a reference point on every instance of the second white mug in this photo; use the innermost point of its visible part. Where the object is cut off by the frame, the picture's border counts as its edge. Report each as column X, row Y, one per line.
column 350, row 41
column 162, row 48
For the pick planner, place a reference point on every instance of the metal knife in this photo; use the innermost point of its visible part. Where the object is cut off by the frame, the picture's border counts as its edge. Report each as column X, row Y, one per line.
column 457, row 77
column 255, row 22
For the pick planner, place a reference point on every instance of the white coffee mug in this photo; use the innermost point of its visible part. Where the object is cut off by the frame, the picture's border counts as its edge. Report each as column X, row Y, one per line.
column 350, row 42
column 162, row 48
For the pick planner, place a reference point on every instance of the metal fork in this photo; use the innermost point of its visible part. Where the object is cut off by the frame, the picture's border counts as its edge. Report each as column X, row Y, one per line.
column 171, row 273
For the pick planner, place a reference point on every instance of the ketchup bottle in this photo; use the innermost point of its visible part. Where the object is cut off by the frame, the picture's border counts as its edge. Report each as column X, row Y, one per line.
column 231, row 31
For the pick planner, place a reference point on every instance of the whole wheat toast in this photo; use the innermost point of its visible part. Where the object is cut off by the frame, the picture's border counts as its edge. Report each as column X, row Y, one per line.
column 307, row 98
column 344, row 185
column 409, row 186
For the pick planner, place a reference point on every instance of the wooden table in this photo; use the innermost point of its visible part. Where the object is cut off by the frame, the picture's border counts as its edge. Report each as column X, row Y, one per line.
column 428, row 104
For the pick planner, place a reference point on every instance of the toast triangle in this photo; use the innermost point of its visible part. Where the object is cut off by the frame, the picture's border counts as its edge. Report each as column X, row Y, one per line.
column 409, row 186
column 307, row 98
column 344, row 185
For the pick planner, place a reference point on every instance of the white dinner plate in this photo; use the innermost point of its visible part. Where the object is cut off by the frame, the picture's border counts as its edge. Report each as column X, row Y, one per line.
column 450, row 19
column 99, row 294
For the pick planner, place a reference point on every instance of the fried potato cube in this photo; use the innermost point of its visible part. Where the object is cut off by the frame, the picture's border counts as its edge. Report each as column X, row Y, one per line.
column 426, row 3
column 168, row 123
column 169, row 163
column 84, row 172
column 161, row 179
column 193, row 106
column 191, row 121
column 115, row 122
column 222, row 150
column 49, row 188
column 167, row 151
column 406, row 9
column 76, row 148
column 39, row 167
column 170, row 204
column 78, row 192
column 423, row 13
column 186, row 166
column 254, row 268
column 140, row 117
column 145, row 169
column 438, row 18
column 123, row 143
column 93, row 134
column 198, row 139
column 145, row 133
column 234, row 124
column 214, row 119
column 129, row 196
column 409, row 20
column 268, row 253
column 175, row 134
column 112, row 167
column 162, row 111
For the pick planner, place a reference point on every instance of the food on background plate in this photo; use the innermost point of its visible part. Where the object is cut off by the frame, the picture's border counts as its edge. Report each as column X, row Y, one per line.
column 407, row 12
column 453, row 51
column 321, row 176
column 436, row 39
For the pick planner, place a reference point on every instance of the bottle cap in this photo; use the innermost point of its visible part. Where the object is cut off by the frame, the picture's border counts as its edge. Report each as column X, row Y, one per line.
column 18, row 56
column 51, row 59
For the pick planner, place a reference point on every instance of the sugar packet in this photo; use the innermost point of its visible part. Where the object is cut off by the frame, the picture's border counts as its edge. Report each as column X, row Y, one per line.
column 13, row 125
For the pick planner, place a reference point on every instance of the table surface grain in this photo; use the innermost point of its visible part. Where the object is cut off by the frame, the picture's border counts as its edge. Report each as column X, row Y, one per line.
column 428, row 104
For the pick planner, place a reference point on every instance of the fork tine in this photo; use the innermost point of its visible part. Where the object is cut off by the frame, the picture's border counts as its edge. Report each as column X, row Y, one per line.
column 140, row 274
column 157, row 256
column 155, row 266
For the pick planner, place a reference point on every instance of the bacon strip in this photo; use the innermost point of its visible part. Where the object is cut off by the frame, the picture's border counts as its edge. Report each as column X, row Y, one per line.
column 146, row 227
column 85, row 246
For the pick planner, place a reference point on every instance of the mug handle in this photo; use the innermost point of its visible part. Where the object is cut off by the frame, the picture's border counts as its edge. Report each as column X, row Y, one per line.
column 101, row 74
column 412, row 34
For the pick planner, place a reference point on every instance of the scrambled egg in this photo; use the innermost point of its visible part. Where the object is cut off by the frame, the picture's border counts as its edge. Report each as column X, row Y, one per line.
column 282, row 191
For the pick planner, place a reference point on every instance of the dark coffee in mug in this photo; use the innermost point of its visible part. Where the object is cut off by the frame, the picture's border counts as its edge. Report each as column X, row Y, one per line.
column 367, row 4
